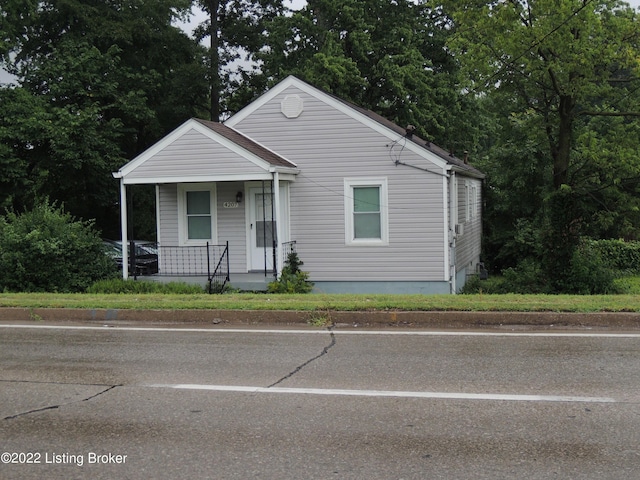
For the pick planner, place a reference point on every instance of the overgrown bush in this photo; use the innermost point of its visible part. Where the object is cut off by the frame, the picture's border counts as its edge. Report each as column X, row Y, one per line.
column 47, row 250
column 618, row 254
column 119, row 285
column 589, row 273
column 526, row 277
column 474, row 285
column 292, row 279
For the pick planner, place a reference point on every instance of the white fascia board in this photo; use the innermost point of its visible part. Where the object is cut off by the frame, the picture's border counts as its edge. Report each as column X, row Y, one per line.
column 465, row 172
column 287, row 177
column 198, row 179
column 292, row 81
column 286, row 170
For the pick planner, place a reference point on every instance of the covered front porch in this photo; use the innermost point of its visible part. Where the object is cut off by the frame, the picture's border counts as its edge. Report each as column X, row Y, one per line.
column 222, row 206
column 211, row 271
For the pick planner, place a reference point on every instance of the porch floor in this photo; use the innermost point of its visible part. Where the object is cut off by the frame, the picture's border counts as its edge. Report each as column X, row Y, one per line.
column 252, row 281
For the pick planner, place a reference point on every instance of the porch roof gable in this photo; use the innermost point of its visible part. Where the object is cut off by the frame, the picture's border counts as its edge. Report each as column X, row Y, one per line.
column 204, row 150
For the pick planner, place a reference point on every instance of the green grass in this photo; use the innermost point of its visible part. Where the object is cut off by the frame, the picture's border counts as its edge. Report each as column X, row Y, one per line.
column 141, row 295
column 322, row 302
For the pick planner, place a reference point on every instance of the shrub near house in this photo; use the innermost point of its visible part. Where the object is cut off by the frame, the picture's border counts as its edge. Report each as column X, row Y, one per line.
column 47, row 250
column 292, row 279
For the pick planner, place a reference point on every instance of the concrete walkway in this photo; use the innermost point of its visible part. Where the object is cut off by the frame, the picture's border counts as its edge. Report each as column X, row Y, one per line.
column 508, row 320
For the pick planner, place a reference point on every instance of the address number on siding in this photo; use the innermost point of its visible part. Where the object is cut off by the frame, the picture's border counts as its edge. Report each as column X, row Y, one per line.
column 230, row 204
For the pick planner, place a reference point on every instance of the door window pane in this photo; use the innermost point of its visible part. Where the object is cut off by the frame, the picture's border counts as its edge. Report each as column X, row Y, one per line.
column 265, row 225
column 264, row 234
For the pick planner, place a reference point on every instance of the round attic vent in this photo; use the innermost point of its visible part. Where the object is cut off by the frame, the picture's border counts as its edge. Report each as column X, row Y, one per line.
column 292, row 106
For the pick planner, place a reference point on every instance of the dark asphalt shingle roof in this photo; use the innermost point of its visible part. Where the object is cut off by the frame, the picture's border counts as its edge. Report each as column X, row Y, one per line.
column 245, row 142
column 431, row 147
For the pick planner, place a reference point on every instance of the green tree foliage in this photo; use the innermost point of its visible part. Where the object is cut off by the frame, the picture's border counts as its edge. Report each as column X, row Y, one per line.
column 47, row 250
column 561, row 78
column 387, row 56
column 97, row 83
column 236, row 29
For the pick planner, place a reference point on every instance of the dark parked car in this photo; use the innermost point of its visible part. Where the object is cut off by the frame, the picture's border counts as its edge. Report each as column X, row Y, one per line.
column 146, row 256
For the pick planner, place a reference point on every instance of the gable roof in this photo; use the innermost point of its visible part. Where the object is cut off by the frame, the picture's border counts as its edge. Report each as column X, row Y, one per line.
column 245, row 142
column 157, row 163
column 426, row 149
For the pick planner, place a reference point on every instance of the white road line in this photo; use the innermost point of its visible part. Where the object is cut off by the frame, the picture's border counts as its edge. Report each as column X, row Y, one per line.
column 387, row 393
column 424, row 333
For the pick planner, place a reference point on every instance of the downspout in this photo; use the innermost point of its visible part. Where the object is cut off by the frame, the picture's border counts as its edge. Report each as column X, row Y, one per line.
column 124, row 227
column 453, row 213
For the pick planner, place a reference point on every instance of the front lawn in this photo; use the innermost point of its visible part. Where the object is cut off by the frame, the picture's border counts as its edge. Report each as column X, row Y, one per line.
column 346, row 302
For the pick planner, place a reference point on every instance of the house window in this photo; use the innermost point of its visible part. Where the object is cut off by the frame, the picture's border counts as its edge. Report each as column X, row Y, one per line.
column 366, row 212
column 199, row 215
column 471, row 199
column 196, row 206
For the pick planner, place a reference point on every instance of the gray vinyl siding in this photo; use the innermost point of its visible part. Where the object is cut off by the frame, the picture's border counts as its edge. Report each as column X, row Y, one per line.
column 231, row 227
column 329, row 146
column 194, row 154
column 168, row 224
column 469, row 243
column 168, row 221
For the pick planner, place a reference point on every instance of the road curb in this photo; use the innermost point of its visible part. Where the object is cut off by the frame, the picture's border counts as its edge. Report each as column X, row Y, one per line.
column 428, row 319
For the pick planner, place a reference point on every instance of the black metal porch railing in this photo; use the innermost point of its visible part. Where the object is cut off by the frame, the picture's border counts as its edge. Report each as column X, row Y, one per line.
column 207, row 260
column 288, row 248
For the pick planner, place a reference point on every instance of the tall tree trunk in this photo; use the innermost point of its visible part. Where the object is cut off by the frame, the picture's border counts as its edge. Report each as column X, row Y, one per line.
column 214, row 57
column 562, row 229
column 562, row 149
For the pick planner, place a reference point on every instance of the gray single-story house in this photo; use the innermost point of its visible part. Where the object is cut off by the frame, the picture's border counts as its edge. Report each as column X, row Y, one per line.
column 367, row 205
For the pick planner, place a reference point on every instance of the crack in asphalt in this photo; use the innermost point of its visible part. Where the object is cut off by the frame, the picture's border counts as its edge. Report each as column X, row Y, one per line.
column 53, row 407
column 324, row 351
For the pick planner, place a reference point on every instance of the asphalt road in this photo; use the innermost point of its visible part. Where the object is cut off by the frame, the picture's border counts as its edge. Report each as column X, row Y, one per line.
column 102, row 402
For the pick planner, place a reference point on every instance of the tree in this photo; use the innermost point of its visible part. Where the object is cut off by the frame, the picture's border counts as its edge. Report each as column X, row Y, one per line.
column 106, row 80
column 46, row 250
column 387, row 56
column 237, row 32
column 562, row 66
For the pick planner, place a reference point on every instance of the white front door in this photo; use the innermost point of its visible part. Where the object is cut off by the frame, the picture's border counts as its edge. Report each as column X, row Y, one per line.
column 262, row 229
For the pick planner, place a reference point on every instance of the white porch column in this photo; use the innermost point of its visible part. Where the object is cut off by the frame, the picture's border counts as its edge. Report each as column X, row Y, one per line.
column 124, row 228
column 276, row 200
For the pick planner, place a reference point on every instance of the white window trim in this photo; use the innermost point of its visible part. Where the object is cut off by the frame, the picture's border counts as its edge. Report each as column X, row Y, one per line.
column 183, row 231
column 471, row 199
column 349, row 183
column 467, row 202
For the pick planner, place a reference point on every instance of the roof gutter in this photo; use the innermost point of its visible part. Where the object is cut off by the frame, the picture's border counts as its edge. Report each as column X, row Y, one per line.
column 464, row 171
